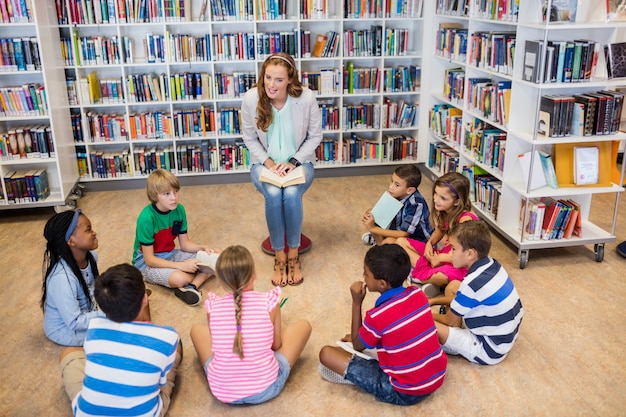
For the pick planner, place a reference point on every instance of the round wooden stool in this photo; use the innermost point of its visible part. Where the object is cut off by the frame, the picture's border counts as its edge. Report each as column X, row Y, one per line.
column 305, row 245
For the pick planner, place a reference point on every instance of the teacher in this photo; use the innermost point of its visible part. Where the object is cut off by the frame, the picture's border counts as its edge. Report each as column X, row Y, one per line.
column 282, row 128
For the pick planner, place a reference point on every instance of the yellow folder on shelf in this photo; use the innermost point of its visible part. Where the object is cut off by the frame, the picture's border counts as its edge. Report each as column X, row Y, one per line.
column 564, row 163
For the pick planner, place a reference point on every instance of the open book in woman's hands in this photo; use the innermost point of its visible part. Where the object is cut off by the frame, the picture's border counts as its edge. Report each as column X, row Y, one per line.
column 207, row 260
column 293, row 177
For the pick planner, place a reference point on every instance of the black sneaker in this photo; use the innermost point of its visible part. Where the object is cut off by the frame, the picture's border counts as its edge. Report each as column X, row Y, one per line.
column 189, row 294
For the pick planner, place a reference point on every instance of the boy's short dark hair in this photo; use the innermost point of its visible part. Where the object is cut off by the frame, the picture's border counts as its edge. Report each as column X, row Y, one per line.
column 389, row 262
column 473, row 234
column 119, row 292
column 410, row 173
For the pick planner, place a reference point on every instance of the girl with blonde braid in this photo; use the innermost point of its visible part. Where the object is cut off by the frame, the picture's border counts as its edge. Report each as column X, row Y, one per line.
column 245, row 353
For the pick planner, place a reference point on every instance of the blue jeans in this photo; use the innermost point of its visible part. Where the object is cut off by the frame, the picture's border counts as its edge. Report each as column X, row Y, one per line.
column 367, row 375
column 273, row 390
column 283, row 207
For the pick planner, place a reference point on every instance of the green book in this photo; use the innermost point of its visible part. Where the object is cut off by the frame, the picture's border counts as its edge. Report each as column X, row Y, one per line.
column 385, row 210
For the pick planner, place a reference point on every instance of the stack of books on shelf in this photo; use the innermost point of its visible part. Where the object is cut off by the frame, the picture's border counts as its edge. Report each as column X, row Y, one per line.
column 269, row 43
column 314, row 9
column 454, row 85
column 24, row 100
column 326, row 45
column 368, row 9
column 550, row 219
column 500, row 10
column 398, row 114
column 560, row 61
column 490, row 99
column 194, row 122
column 26, row 186
column 442, row 158
column 105, row 127
column 229, row 121
column 401, row 8
column 493, row 51
column 97, row 12
column 486, row 144
column 402, row 79
column 325, row 82
column 15, row 11
column 361, row 149
column 330, row 116
column 446, row 122
column 150, row 125
column 451, row 41
column 452, row 7
column 399, row 147
column 19, row 54
column 363, row 42
column 396, row 42
column 361, row 116
column 225, row 10
column 327, row 151
column 485, row 190
column 586, row 114
column 111, row 164
column 27, row 142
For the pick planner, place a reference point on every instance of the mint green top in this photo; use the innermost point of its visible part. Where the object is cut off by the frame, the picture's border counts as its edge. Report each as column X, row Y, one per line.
column 281, row 137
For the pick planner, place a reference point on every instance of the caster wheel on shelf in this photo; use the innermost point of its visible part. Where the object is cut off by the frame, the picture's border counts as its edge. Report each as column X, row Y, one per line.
column 523, row 259
column 599, row 250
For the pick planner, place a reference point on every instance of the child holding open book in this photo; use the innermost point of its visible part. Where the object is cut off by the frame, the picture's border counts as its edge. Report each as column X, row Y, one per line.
column 244, row 351
column 412, row 220
column 155, row 254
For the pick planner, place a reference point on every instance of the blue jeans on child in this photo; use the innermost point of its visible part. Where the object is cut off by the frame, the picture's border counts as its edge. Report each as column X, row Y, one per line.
column 283, row 207
column 270, row 392
column 367, row 375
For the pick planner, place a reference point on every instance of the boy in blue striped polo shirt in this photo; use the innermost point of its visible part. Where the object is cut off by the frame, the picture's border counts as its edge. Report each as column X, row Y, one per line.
column 127, row 365
column 484, row 318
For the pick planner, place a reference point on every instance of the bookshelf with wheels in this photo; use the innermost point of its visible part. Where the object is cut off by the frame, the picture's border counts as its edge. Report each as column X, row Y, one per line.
column 37, row 157
column 483, row 115
column 162, row 86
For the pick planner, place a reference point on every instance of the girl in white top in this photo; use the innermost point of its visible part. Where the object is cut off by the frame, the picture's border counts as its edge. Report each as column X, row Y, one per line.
column 245, row 353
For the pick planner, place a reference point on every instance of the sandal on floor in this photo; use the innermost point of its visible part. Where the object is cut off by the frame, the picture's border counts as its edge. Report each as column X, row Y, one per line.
column 282, row 267
column 291, row 263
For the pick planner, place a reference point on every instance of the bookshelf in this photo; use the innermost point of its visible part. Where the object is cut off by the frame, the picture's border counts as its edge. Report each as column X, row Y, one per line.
column 478, row 87
column 36, row 146
column 163, row 87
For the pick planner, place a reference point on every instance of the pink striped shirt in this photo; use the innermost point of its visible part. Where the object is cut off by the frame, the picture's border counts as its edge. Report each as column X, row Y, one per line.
column 231, row 378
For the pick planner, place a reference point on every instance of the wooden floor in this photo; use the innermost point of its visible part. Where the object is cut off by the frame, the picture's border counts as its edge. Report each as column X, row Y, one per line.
column 569, row 359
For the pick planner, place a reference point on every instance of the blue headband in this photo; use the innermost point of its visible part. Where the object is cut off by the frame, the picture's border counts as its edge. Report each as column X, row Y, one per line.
column 452, row 189
column 73, row 224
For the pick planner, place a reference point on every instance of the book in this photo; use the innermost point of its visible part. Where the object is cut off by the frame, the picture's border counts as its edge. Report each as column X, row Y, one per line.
column 207, row 260
column 320, row 45
column 550, row 217
column 614, row 55
column 577, row 228
column 548, row 169
column 293, row 177
column 368, row 354
column 533, row 62
column 386, row 209
column 586, row 159
column 538, row 179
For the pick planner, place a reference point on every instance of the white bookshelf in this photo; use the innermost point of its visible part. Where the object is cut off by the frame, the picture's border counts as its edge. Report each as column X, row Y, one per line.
column 60, row 166
column 524, row 116
column 293, row 22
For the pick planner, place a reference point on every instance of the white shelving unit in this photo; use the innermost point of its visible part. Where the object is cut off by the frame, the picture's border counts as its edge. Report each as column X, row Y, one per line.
column 524, row 116
column 61, row 166
column 254, row 25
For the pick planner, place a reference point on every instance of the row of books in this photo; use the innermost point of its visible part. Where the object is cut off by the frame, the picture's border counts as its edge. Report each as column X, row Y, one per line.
column 485, row 190
column 454, row 85
column 485, row 143
column 446, row 122
column 442, row 158
column 493, row 51
column 26, row 186
column 16, row 11
column 392, row 148
column 549, row 219
column 587, row 114
column 96, row 50
column 452, row 7
column 363, row 80
column 269, row 9
column 225, row 10
column 402, row 78
column 363, row 42
column 97, row 12
column 326, row 82
column 24, row 100
column 326, row 45
column 27, row 142
column 330, row 117
column 560, row 61
column 501, row 10
column 451, row 41
column 400, row 8
column 490, row 99
column 20, row 54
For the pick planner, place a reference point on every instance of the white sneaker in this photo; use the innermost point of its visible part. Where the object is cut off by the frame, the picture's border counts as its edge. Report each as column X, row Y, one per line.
column 368, row 239
column 431, row 290
column 332, row 376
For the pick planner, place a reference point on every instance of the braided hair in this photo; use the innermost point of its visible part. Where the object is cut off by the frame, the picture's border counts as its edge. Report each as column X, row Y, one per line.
column 57, row 249
column 235, row 269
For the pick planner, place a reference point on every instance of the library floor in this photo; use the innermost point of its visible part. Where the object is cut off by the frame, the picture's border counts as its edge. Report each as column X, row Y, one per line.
column 569, row 359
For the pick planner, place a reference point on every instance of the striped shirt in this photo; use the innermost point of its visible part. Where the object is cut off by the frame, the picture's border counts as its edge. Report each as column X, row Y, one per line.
column 402, row 329
column 413, row 218
column 230, row 377
column 126, row 365
column 491, row 308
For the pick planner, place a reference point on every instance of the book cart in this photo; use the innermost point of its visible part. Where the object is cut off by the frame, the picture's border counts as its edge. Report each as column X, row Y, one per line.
column 37, row 157
column 483, row 113
column 161, row 85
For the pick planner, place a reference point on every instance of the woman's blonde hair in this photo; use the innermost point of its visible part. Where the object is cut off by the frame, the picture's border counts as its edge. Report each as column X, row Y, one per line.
column 459, row 186
column 160, row 181
column 235, row 269
column 294, row 89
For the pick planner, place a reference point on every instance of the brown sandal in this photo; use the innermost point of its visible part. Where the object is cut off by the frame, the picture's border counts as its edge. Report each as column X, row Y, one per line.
column 282, row 267
column 292, row 262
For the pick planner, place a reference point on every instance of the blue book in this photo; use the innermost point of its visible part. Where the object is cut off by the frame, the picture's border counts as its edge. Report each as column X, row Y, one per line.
column 560, row 60
column 386, row 209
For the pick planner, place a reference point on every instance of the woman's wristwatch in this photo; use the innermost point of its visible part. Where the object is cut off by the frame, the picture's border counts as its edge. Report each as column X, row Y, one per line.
column 294, row 162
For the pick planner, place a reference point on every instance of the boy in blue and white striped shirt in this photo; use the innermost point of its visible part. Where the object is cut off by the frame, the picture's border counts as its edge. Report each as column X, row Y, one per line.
column 486, row 302
column 127, row 365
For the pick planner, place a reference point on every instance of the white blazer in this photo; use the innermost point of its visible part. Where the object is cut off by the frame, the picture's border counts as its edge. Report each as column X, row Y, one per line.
column 307, row 125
